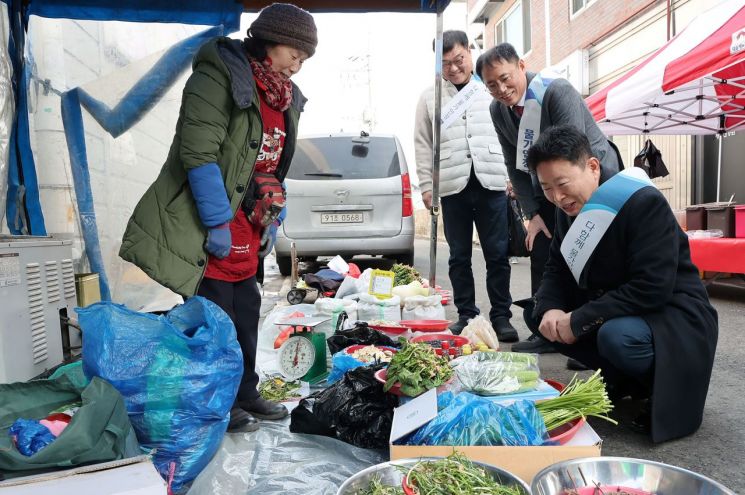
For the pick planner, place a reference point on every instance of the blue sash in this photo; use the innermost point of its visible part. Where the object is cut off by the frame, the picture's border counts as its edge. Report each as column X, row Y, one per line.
column 530, row 123
column 597, row 215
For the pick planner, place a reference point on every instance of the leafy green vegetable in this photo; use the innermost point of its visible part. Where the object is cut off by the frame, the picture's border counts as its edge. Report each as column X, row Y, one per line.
column 278, row 390
column 418, row 368
column 579, row 399
column 456, row 475
column 403, row 274
column 377, row 487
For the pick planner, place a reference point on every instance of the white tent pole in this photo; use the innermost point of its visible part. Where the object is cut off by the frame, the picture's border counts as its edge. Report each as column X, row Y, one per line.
column 435, row 210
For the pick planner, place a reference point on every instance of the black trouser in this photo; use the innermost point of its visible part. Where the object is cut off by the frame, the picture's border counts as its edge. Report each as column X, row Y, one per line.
column 242, row 302
column 541, row 245
column 488, row 210
column 622, row 348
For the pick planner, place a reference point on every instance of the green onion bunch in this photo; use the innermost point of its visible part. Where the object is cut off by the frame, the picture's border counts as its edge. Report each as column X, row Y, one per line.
column 376, row 487
column 581, row 398
column 455, row 475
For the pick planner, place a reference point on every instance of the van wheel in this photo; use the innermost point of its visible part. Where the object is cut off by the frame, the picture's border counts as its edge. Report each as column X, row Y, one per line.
column 405, row 258
column 285, row 265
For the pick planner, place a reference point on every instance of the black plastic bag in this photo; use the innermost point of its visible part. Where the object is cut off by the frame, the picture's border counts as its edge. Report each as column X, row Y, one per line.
column 360, row 334
column 517, row 231
column 354, row 410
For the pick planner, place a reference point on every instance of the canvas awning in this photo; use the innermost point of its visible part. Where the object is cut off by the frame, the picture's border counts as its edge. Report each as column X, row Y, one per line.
column 694, row 84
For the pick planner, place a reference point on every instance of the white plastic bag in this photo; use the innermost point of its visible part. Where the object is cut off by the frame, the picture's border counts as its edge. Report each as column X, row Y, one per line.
column 423, row 308
column 338, row 264
column 371, row 308
column 348, row 287
column 496, row 373
column 479, row 330
column 327, row 306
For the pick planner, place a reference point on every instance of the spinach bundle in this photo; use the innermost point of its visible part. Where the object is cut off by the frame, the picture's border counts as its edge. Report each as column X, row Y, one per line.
column 418, row 368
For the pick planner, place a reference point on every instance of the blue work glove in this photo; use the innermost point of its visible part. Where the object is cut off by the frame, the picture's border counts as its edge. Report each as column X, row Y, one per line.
column 219, row 241
column 268, row 238
column 213, row 207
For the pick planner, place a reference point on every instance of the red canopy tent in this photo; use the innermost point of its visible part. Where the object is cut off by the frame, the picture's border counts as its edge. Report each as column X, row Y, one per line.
column 694, row 84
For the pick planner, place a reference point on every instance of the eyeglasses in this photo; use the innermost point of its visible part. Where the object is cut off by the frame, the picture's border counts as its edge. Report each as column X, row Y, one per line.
column 457, row 61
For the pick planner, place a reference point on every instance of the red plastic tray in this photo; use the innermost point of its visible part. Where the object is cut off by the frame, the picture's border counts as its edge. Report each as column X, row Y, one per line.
column 405, row 485
column 426, row 325
column 455, row 340
column 391, row 330
column 565, row 432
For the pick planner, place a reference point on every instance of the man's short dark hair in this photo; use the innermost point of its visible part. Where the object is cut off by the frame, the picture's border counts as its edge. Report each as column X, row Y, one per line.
column 452, row 38
column 503, row 52
column 560, row 142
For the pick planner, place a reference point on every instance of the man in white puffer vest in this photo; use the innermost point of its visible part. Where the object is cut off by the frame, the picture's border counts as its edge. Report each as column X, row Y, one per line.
column 472, row 184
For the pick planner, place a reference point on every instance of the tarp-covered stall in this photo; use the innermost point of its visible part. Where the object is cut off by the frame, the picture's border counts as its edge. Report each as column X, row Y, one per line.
column 96, row 91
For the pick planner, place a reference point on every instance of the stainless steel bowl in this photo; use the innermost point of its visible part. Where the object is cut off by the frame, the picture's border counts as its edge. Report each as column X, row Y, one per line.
column 390, row 475
column 652, row 477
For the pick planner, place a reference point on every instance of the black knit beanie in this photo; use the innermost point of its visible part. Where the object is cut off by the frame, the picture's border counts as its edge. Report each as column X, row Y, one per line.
column 286, row 24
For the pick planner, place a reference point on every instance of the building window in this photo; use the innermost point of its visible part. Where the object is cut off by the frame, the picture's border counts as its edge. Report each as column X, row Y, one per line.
column 514, row 28
column 578, row 5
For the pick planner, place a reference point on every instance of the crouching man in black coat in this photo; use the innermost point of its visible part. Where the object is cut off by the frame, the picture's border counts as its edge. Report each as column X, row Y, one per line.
column 620, row 292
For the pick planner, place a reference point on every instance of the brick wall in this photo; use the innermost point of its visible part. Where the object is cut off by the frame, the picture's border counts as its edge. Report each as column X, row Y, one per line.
column 590, row 24
column 567, row 34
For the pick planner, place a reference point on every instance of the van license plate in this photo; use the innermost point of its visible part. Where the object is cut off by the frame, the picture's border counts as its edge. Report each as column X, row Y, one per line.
column 341, row 217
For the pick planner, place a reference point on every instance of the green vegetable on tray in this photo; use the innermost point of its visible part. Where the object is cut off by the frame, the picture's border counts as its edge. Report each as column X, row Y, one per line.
column 403, row 274
column 495, row 373
column 377, row 487
column 581, row 398
column 418, row 368
column 455, row 475
column 509, row 357
column 277, row 390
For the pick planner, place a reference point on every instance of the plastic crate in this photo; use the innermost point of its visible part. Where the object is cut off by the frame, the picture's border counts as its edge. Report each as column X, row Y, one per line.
column 740, row 221
column 722, row 218
column 696, row 217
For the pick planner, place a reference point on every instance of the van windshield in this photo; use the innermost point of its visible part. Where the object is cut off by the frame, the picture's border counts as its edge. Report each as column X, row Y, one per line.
column 334, row 158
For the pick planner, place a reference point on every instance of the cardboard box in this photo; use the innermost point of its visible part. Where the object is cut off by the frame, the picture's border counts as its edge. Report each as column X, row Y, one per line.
column 87, row 288
column 133, row 476
column 523, row 462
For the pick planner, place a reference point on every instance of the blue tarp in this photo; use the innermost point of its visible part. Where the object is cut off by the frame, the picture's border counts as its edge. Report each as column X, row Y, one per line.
column 24, row 214
column 195, row 12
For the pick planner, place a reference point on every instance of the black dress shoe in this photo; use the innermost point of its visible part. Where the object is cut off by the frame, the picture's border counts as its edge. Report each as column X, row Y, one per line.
column 643, row 422
column 534, row 345
column 459, row 325
column 504, row 330
column 573, row 364
column 241, row 421
column 264, row 409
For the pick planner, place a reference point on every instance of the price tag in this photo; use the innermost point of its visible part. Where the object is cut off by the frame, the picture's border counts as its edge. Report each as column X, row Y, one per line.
column 381, row 284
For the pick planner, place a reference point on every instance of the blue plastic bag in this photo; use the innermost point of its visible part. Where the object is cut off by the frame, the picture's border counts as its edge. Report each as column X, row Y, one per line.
column 341, row 362
column 467, row 419
column 30, row 436
column 179, row 375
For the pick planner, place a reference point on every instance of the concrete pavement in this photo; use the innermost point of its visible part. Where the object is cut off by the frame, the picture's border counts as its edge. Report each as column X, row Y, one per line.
column 717, row 450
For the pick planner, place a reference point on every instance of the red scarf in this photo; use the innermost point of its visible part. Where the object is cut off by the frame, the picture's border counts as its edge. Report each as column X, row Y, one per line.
column 277, row 89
